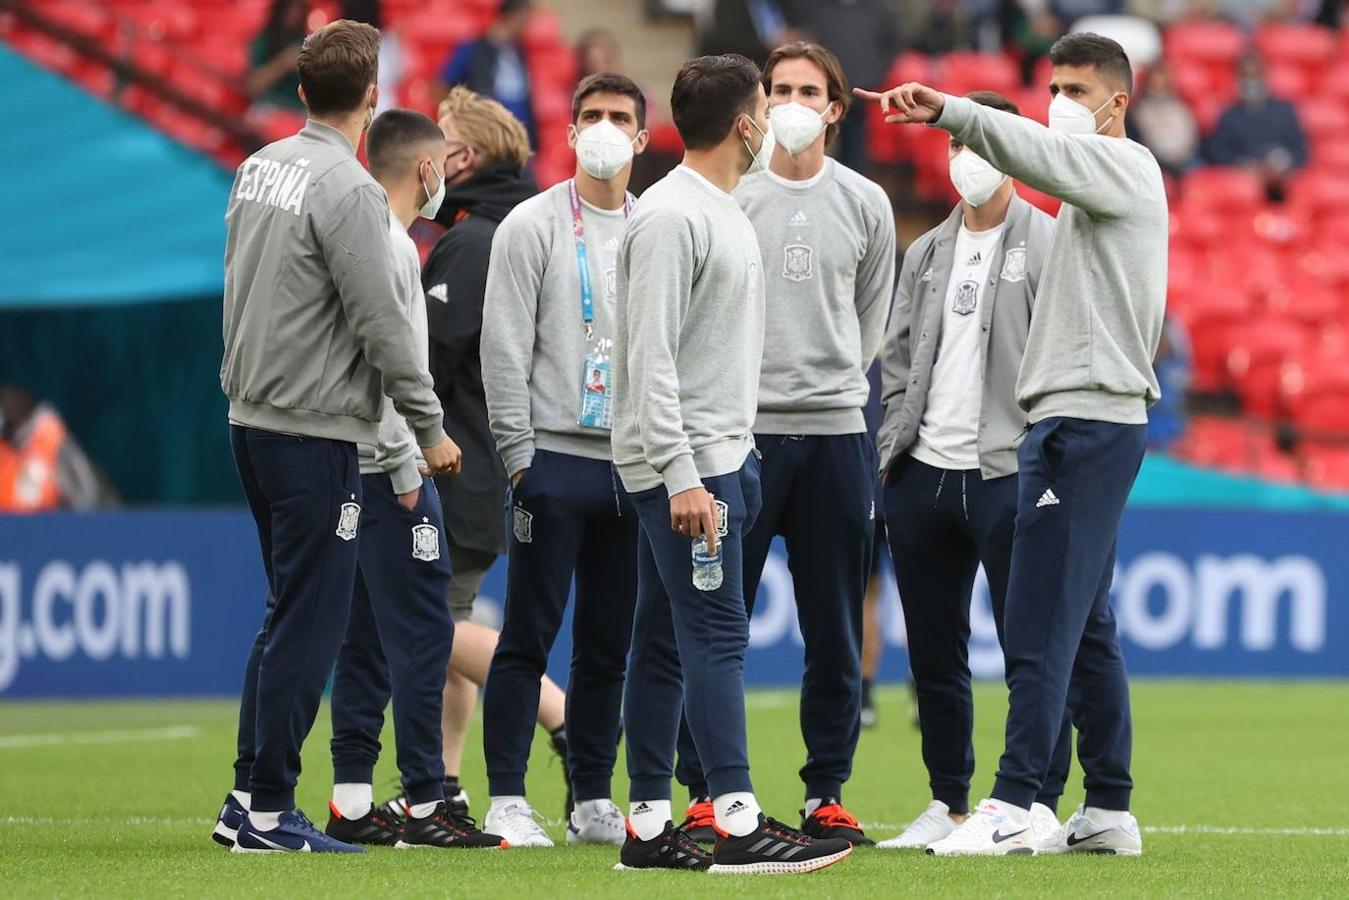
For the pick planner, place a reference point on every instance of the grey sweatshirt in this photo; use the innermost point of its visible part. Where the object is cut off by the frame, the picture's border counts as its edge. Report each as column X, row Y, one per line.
column 688, row 336
column 533, row 336
column 828, row 248
column 396, row 451
column 1102, row 297
column 315, row 329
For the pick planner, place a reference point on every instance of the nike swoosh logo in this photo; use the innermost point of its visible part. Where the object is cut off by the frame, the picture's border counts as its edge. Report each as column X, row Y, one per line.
column 303, row 848
column 1074, row 840
column 999, row 837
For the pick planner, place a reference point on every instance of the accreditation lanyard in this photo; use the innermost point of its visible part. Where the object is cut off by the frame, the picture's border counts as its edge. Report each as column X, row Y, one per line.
column 583, row 267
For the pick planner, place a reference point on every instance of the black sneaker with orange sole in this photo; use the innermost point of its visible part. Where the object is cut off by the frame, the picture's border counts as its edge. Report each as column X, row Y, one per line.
column 775, row 849
column 831, row 820
column 671, row 849
column 445, row 829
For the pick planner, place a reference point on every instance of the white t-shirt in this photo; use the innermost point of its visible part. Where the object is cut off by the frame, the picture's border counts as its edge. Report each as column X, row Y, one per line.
column 948, row 435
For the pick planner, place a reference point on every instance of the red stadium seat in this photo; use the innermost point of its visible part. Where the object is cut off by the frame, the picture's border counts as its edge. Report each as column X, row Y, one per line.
column 1255, row 363
column 1207, row 41
column 1309, row 46
column 1326, row 466
column 1210, row 315
column 1323, row 118
column 1230, row 191
column 1332, row 153
column 1316, row 396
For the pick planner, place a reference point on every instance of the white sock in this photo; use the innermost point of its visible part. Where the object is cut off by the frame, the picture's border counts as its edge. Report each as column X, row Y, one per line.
column 264, row 821
column 1015, row 814
column 1107, row 818
column 500, row 803
column 244, row 797
column 737, row 812
column 422, row 810
column 813, row 804
column 648, row 818
column 353, row 800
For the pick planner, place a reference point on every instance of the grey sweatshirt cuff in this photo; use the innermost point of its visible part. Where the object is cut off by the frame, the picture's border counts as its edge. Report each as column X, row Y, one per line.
column 955, row 115
column 518, row 458
column 431, row 435
column 681, row 474
column 406, row 476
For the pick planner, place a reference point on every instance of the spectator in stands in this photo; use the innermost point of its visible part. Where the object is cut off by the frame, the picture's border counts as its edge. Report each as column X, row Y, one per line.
column 1069, row 11
column 495, row 64
column 371, row 12
column 1173, row 365
column 1164, row 124
column 1259, row 131
column 749, row 27
column 41, row 466
column 1032, row 28
column 597, row 50
column 272, row 79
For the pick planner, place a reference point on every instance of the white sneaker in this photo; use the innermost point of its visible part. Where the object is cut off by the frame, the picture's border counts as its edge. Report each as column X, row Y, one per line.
column 933, row 825
column 995, row 829
column 1082, row 835
column 517, row 823
column 597, row 822
column 1045, row 824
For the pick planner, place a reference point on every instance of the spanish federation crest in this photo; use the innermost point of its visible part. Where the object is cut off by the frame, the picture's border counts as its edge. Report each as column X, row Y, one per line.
column 723, row 512
column 523, row 525
column 425, row 542
column 966, row 298
column 347, row 521
column 797, row 262
column 1014, row 265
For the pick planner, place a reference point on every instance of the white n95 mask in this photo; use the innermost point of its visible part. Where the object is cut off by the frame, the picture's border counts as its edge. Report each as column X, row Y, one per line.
column 974, row 178
column 603, row 150
column 1072, row 117
column 759, row 161
column 433, row 201
column 795, row 125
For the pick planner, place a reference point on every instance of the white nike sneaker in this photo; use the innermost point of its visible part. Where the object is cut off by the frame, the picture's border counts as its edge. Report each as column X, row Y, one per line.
column 993, row 830
column 518, row 824
column 597, row 822
column 1045, row 824
column 1082, row 835
column 933, row 825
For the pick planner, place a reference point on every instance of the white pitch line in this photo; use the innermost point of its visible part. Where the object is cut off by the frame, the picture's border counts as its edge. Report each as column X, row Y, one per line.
column 1184, row 829
column 170, row 733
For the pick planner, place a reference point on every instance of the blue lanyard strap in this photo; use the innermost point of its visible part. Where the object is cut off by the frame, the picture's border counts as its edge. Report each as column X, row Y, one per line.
column 582, row 266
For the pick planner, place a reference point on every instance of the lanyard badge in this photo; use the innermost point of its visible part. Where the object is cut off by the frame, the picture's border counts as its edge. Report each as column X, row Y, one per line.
column 597, row 408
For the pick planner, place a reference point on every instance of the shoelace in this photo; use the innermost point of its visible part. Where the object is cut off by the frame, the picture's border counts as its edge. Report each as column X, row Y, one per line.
column 525, row 818
column 835, row 816
column 461, row 825
column 302, row 823
column 684, row 842
column 778, row 829
column 700, row 815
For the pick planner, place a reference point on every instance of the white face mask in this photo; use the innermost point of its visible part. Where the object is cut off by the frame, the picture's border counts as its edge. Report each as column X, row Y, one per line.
column 603, row 150
column 795, row 125
column 759, row 161
column 975, row 180
column 1072, row 117
column 433, row 201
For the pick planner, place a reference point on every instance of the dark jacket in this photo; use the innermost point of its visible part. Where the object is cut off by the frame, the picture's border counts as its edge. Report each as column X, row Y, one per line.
column 455, row 280
column 1251, row 132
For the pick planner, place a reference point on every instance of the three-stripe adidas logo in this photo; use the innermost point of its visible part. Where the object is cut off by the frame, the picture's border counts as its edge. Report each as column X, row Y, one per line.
column 736, row 807
column 1047, row 499
column 777, row 848
column 799, row 220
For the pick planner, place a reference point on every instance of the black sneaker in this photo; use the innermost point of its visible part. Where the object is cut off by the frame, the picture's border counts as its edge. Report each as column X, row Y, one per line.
column 444, row 829
column 671, row 849
column 456, row 801
column 375, row 827
column 868, row 715
column 700, row 823
column 775, row 849
column 831, row 820
column 559, row 742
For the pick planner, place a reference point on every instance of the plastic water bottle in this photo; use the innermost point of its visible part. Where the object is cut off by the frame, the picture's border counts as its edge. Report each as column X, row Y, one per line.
column 707, row 574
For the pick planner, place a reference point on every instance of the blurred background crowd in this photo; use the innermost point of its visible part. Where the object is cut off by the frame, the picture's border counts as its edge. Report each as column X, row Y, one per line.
column 1245, row 103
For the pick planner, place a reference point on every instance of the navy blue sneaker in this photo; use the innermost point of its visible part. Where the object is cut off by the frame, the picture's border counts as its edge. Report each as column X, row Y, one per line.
column 227, row 823
column 295, row 834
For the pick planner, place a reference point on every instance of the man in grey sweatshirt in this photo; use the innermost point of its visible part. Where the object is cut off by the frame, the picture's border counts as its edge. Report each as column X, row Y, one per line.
column 547, row 337
column 688, row 341
column 1086, row 383
column 827, row 241
column 315, row 334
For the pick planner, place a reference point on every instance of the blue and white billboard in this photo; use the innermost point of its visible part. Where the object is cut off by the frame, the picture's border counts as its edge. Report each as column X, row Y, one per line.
column 154, row 603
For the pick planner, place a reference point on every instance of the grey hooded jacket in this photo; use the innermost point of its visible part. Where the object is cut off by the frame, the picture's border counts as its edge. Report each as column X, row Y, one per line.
column 316, row 330
column 913, row 338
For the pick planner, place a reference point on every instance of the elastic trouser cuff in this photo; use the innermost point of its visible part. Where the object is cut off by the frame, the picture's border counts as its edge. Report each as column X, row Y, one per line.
column 241, row 780
column 1109, row 798
column 957, row 801
column 1019, row 795
column 648, row 789
column 506, row 785
column 353, row 773
column 728, row 780
column 271, row 801
column 432, row 791
column 594, row 789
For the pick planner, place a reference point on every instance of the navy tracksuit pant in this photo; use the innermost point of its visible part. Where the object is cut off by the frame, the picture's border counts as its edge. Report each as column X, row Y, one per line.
column 398, row 642
column 819, row 495
column 688, row 646
column 568, row 515
column 1061, row 641
column 942, row 524
column 305, row 496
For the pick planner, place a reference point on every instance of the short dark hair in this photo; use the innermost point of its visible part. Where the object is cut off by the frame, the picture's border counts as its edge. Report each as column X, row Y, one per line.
column 393, row 137
column 995, row 100
column 609, row 83
column 1087, row 49
column 709, row 93
column 337, row 65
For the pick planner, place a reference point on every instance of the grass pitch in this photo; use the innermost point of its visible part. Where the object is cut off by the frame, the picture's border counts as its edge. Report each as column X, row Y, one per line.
column 1240, row 792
